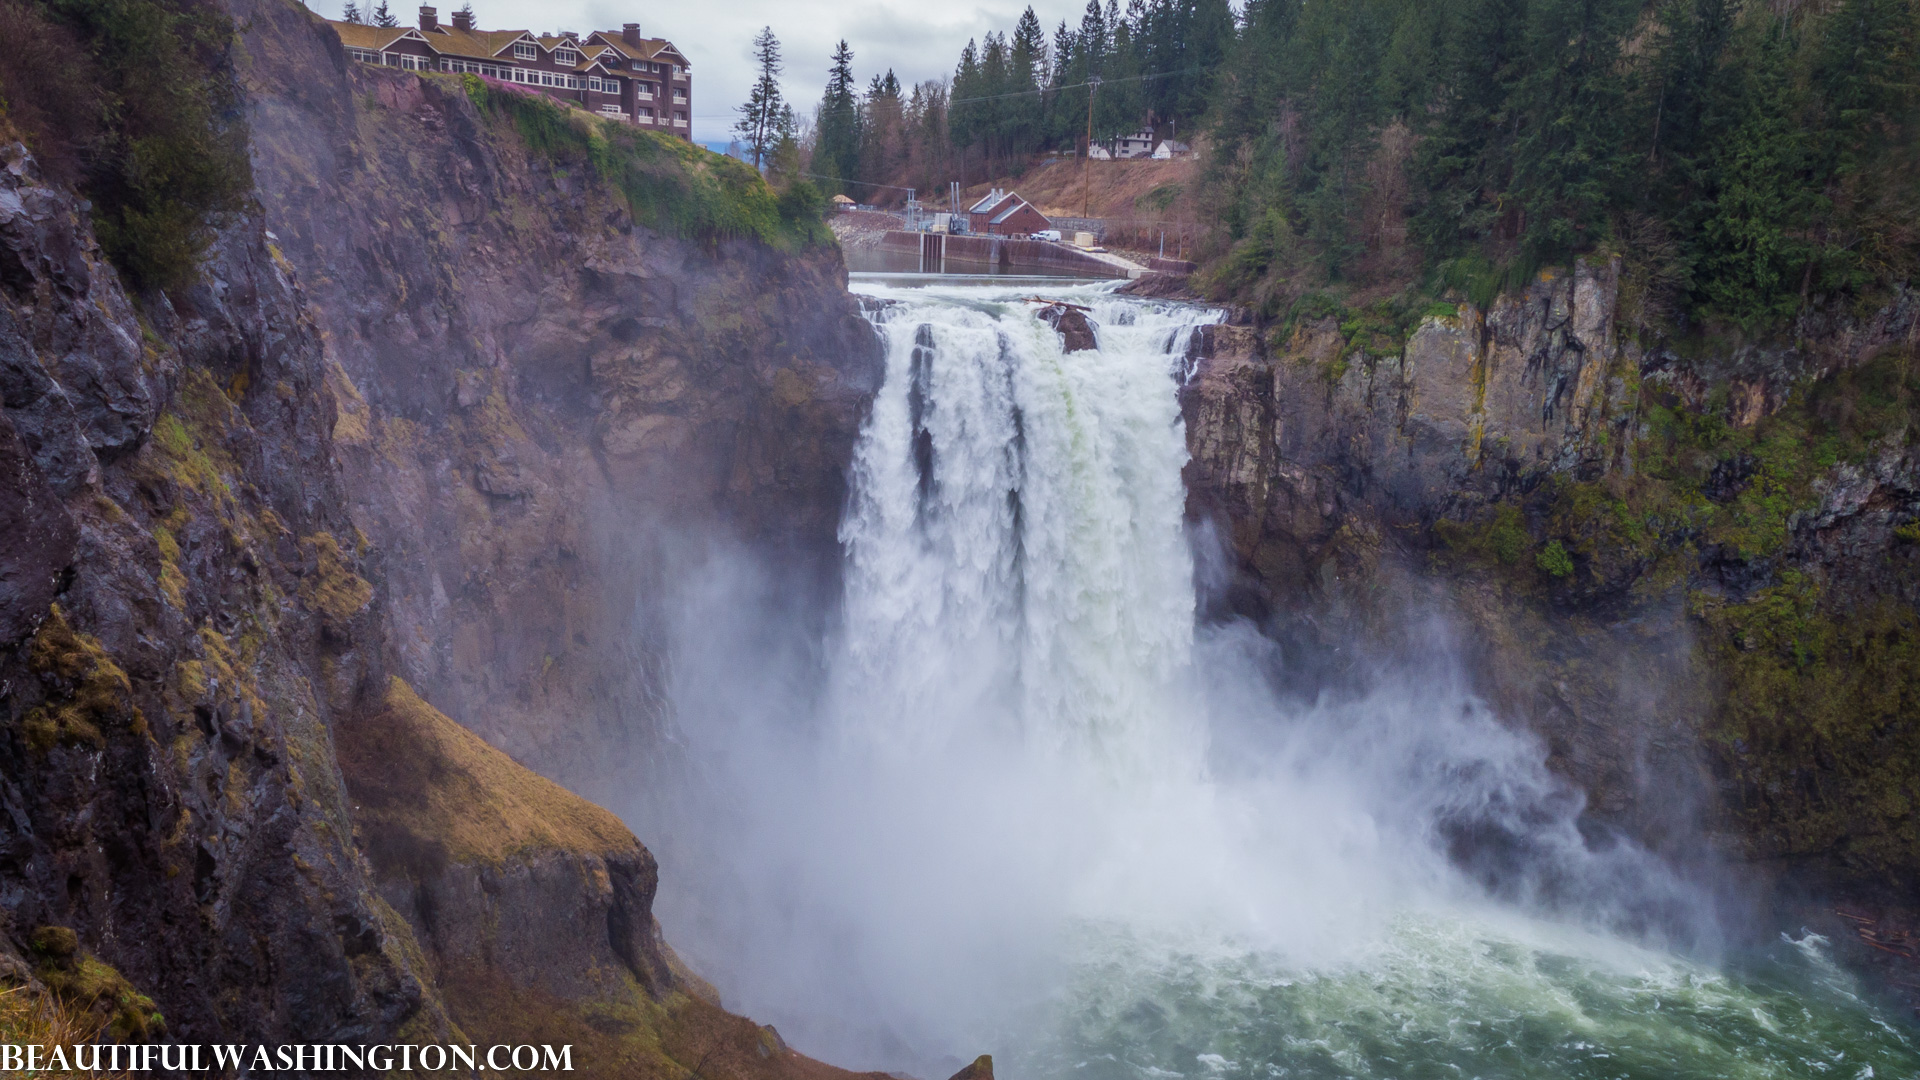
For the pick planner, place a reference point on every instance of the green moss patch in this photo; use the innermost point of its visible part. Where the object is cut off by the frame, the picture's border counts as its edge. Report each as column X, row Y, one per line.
column 431, row 791
column 333, row 589
column 84, row 983
column 87, row 692
column 1819, row 725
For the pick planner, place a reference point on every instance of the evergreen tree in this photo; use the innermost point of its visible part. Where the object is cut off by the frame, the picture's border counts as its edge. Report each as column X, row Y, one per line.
column 383, row 17
column 883, row 150
column 1753, row 248
column 836, row 149
column 759, row 123
column 1059, row 112
column 966, row 119
column 1028, row 71
column 352, row 13
column 1568, row 155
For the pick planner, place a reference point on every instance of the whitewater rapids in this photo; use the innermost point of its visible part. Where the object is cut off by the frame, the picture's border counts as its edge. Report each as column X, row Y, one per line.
column 1017, row 801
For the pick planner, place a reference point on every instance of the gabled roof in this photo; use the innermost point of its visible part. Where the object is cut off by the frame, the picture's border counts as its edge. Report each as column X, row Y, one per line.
column 648, row 48
column 994, row 202
column 484, row 44
column 1012, row 210
column 365, row 36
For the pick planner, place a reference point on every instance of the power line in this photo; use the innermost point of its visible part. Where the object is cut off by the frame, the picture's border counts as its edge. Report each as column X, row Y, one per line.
column 1024, row 93
column 862, row 183
column 1075, row 86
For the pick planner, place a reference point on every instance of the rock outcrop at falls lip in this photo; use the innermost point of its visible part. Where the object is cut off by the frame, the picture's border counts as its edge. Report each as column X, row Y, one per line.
column 1076, row 334
column 1689, row 573
column 360, row 466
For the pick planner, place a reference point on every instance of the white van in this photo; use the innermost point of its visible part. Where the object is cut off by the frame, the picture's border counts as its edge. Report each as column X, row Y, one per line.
column 1048, row 234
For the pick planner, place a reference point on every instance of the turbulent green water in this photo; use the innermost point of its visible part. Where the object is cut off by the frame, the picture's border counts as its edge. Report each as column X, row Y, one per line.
column 1449, row 997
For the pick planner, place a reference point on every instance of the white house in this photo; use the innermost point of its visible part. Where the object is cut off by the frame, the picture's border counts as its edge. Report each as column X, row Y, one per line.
column 1137, row 145
column 1169, row 149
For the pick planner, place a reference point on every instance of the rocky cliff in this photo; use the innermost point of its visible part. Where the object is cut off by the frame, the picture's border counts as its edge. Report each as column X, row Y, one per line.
column 1690, row 565
column 528, row 379
column 389, row 450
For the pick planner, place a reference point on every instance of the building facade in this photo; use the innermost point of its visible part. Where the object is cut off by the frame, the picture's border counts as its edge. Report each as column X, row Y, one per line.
column 641, row 81
column 1004, row 213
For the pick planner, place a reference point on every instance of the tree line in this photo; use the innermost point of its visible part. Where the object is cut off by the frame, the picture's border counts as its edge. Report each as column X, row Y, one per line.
column 1012, row 95
column 1747, row 158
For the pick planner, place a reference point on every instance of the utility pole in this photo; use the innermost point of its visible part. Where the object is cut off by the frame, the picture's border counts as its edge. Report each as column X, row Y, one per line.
column 1086, row 190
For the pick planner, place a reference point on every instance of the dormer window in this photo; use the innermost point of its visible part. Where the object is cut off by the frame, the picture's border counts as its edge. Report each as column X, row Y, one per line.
column 566, row 56
column 524, row 51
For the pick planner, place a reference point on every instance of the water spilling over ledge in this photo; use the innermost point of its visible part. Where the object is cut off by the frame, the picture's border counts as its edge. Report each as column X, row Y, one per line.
column 1020, row 800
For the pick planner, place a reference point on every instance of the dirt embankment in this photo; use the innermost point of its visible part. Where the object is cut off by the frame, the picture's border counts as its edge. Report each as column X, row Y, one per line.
column 864, row 229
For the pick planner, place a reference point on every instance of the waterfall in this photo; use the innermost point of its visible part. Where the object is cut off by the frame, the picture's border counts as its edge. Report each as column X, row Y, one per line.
column 1020, row 802
column 1016, row 552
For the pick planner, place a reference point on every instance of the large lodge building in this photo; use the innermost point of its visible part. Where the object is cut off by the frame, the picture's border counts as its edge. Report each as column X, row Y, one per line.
column 643, row 81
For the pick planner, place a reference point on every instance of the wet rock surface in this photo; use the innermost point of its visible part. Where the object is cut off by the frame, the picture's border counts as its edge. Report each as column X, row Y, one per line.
column 1076, row 334
column 396, row 432
column 168, row 670
column 1493, row 475
column 532, row 390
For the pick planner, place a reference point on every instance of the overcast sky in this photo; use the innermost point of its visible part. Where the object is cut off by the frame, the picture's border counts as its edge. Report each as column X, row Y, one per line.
column 918, row 39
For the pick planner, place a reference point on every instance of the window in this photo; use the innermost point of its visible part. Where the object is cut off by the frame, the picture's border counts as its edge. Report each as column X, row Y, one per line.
column 644, row 113
column 679, row 94
column 645, row 90
column 525, row 51
column 566, row 56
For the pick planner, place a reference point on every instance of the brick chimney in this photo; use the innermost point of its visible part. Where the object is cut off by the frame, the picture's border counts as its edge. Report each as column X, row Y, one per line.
column 429, row 20
column 463, row 19
column 630, row 33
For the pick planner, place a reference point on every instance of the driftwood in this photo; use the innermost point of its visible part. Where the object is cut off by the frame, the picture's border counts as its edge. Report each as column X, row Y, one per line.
column 1056, row 303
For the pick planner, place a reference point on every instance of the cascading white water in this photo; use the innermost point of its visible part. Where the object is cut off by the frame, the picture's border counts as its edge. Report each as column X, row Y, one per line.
column 1020, row 804
column 1016, row 554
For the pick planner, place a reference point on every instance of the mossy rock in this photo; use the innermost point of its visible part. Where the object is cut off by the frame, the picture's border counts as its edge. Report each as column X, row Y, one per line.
column 431, row 791
column 87, row 692
column 85, row 983
column 1819, row 726
column 333, row 589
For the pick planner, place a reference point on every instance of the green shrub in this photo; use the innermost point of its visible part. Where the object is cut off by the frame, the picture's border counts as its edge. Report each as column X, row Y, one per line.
column 163, row 155
column 669, row 184
column 1554, row 559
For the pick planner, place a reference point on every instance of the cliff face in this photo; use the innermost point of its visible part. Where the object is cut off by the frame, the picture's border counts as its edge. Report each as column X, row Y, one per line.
column 527, row 381
column 393, row 449
column 183, row 622
column 1689, row 569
